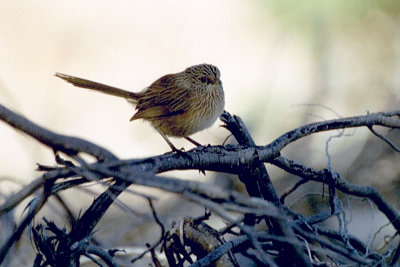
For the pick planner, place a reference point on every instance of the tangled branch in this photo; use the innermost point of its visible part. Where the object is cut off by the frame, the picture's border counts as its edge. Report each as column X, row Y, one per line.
column 287, row 237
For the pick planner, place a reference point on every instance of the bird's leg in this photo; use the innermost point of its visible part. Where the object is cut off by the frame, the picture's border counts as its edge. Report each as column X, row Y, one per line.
column 174, row 149
column 192, row 141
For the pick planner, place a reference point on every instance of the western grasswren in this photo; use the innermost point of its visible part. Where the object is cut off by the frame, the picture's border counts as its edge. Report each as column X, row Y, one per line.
column 178, row 104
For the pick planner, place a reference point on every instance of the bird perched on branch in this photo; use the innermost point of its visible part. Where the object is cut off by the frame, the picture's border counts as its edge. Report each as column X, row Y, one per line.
column 177, row 105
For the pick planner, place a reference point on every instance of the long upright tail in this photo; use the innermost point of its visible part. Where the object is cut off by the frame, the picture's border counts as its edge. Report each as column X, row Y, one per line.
column 79, row 82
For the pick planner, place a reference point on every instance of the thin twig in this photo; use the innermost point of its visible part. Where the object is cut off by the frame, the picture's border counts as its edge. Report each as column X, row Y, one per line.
column 390, row 143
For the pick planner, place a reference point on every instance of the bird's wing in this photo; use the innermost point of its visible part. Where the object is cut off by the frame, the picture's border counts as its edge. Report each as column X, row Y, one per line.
column 162, row 99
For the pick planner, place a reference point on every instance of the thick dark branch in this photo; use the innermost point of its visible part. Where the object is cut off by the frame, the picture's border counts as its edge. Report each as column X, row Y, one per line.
column 255, row 176
column 233, row 158
column 67, row 144
column 229, row 159
column 86, row 224
column 257, row 180
column 386, row 119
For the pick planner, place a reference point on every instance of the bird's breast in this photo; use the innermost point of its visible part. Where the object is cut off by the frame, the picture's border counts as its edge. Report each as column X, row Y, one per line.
column 208, row 108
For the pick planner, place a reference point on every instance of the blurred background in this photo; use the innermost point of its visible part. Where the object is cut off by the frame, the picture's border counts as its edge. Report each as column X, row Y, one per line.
column 282, row 63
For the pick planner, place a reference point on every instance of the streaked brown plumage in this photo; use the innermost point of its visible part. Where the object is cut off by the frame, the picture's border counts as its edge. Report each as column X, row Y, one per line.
column 179, row 104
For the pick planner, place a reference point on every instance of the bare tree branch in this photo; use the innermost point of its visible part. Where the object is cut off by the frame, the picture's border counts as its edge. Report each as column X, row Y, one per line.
column 292, row 238
column 68, row 145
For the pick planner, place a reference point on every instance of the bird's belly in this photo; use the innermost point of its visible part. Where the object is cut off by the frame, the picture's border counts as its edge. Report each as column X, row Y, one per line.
column 188, row 123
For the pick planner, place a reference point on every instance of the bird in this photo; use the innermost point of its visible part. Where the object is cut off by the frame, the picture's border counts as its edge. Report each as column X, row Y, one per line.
column 176, row 105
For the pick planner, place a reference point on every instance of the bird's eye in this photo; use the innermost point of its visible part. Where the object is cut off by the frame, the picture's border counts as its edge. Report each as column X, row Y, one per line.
column 203, row 79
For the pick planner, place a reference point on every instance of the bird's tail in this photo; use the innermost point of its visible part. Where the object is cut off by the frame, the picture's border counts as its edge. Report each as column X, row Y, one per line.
column 79, row 82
